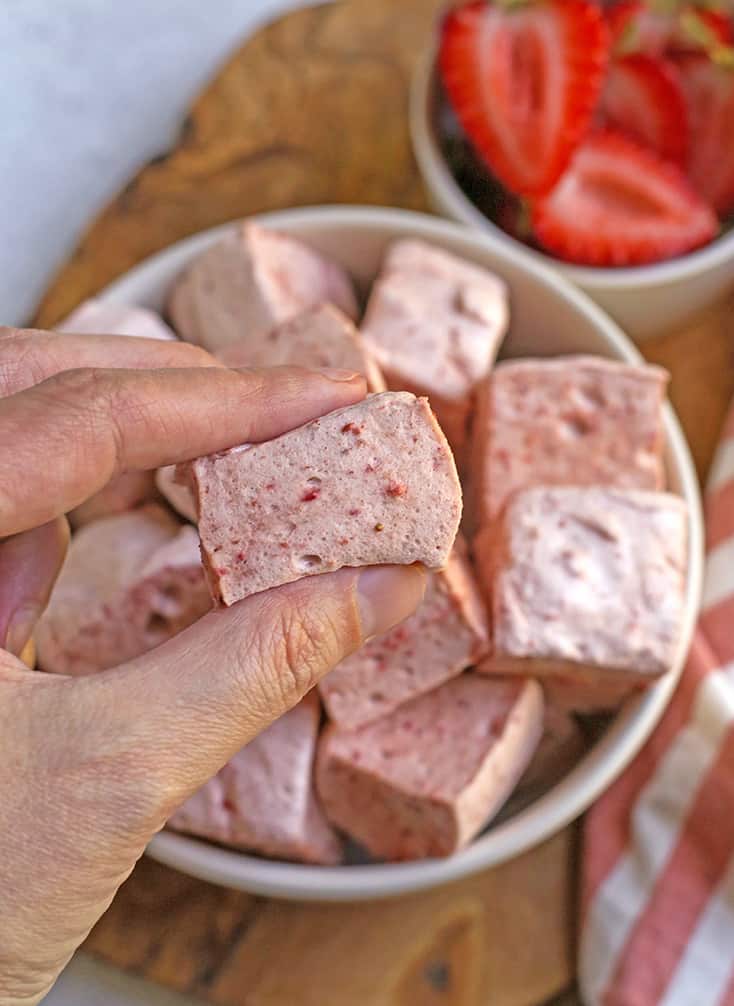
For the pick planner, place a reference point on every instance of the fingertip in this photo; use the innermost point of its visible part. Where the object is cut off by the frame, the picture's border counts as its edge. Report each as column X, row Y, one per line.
column 386, row 595
column 298, row 395
column 284, row 372
column 28, row 654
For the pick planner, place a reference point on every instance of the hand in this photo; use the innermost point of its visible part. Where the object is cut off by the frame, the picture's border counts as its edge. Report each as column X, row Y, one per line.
column 92, row 767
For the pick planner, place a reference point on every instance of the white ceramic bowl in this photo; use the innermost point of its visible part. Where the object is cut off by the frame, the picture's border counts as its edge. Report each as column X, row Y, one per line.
column 644, row 300
column 549, row 317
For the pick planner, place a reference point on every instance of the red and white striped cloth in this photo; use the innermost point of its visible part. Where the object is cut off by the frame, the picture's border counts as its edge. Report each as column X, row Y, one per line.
column 657, row 913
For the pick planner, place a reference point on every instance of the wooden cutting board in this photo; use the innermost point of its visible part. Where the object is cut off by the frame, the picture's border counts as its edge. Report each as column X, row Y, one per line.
column 313, row 110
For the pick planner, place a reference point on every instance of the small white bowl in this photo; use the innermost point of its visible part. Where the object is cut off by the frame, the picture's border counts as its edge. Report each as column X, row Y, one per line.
column 549, row 317
column 644, row 300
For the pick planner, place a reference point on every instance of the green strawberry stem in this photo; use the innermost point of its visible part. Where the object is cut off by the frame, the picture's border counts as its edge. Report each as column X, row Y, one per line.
column 698, row 31
column 510, row 5
column 628, row 40
column 723, row 56
column 664, row 6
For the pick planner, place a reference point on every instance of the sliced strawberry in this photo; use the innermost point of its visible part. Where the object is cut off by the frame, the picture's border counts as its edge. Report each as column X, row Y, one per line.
column 709, row 90
column 644, row 98
column 524, row 79
column 619, row 204
column 634, row 27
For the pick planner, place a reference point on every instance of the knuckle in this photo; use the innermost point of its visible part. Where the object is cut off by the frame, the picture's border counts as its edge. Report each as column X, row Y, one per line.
column 20, row 362
column 296, row 641
column 255, row 382
column 81, row 388
column 106, row 402
column 302, row 650
column 302, row 644
column 89, row 393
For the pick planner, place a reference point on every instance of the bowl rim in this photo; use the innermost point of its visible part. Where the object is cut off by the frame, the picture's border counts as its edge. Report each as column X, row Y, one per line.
column 569, row 798
column 441, row 182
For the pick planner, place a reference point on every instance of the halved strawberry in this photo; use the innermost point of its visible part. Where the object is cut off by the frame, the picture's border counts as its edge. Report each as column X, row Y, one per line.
column 635, row 27
column 644, row 98
column 709, row 89
column 619, row 204
column 524, row 79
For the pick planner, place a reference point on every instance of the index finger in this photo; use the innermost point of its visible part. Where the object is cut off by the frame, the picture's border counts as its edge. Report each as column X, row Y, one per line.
column 29, row 356
column 64, row 439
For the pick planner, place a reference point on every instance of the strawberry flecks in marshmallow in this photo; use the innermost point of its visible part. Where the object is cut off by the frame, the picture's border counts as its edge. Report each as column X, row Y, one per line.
column 418, row 524
column 424, row 779
column 575, row 420
column 130, row 582
column 447, row 634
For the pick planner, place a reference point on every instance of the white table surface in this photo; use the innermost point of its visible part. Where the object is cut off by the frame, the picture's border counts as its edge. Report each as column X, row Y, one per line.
column 89, row 91
column 88, row 983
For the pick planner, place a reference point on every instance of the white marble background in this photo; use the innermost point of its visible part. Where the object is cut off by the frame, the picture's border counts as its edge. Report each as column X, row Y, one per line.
column 89, row 91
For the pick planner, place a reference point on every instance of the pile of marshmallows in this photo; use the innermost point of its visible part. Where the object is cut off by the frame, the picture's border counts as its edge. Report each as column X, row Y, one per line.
column 569, row 599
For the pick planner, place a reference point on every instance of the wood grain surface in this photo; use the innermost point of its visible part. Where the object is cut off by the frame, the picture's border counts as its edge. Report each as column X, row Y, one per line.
column 313, row 110
column 503, row 938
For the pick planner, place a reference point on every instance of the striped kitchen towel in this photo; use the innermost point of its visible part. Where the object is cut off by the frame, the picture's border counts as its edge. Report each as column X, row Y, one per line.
column 657, row 913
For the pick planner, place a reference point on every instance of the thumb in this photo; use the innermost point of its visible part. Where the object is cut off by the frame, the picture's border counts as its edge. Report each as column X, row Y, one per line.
column 180, row 712
column 104, row 760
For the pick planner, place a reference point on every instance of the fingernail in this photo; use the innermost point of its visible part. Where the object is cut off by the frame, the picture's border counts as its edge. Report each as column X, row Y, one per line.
column 342, row 376
column 387, row 595
column 20, row 627
column 28, row 654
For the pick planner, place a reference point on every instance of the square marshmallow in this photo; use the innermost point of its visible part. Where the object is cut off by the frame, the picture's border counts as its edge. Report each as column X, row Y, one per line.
column 575, row 420
column 586, row 589
column 424, row 780
column 369, row 484
column 435, row 323
column 250, row 281
column 446, row 635
column 129, row 582
column 101, row 317
column 321, row 336
column 264, row 799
